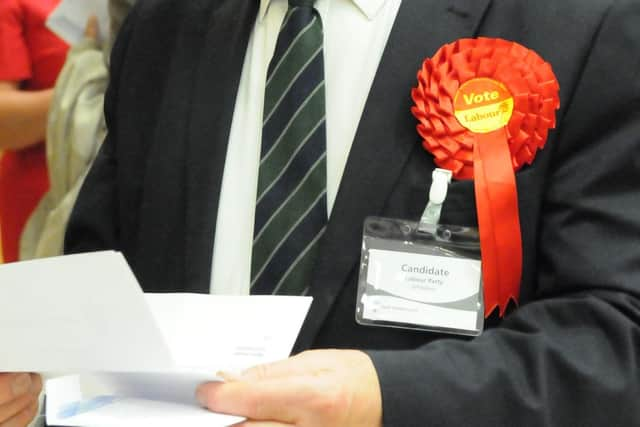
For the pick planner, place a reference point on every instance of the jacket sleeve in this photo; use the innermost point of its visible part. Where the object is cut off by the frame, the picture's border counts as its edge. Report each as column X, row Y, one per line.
column 571, row 357
column 94, row 221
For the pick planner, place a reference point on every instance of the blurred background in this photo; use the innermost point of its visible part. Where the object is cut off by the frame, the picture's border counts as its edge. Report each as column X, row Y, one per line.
column 53, row 74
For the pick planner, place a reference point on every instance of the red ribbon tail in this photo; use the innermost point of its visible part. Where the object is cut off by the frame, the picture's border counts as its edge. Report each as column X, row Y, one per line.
column 498, row 220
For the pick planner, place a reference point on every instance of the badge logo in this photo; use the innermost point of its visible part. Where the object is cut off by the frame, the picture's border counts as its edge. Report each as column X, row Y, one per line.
column 483, row 105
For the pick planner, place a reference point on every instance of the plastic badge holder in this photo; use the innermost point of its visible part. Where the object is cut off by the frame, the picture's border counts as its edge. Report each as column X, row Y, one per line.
column 422, row 278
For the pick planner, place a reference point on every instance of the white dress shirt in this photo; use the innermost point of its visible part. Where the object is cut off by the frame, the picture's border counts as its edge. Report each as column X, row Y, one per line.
column 355, row 35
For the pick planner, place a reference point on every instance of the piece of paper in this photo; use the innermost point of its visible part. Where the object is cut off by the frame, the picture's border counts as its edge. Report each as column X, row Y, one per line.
column 227, row 332
column 136, row 353
column 69, row 19
column 80, row 313
column 111, row 400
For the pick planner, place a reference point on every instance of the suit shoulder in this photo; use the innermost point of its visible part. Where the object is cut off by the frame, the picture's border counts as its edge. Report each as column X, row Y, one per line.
column 561, row 13
column 173, row 9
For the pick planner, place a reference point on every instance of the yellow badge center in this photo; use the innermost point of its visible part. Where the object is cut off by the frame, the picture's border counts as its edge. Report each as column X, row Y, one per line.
column 483, row 105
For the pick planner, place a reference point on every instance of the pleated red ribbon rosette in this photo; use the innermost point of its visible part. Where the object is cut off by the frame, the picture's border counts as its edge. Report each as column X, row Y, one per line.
column 484, row 108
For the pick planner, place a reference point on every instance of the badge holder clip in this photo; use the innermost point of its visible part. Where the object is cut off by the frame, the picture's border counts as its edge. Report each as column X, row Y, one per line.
column 421, row 275
column 441, row 178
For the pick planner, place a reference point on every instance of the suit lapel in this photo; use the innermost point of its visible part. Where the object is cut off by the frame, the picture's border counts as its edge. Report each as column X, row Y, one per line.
column 216, row 85
column 385, row 138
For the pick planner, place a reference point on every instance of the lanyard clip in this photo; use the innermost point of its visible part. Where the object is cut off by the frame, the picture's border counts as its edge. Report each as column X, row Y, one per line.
column 437, row 195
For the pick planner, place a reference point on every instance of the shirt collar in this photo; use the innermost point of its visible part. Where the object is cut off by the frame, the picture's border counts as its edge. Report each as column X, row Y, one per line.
column 369, row 8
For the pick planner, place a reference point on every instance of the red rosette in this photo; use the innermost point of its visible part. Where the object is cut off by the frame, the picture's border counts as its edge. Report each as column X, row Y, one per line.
column 484, row 108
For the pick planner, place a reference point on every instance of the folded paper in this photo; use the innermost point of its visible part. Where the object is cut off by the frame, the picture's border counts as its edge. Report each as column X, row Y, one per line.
column 86, row 314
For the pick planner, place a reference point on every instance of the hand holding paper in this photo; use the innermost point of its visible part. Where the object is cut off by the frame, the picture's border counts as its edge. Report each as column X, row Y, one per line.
column 92, row 28
column 19, row 398
column 70, row 18
column 315, row 388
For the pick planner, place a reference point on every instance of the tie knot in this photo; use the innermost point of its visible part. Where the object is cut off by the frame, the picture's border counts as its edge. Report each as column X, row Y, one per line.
column 301, row 3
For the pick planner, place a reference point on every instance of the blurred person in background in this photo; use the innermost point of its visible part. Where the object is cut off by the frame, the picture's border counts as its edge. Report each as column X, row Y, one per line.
column 75, row 131
column 30, row 59
column 1, row 257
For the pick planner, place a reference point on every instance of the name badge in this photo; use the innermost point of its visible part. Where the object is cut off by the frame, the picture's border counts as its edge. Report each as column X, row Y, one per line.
column 416, row 278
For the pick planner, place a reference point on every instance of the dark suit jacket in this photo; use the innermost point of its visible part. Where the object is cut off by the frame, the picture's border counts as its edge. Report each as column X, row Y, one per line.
column 568, row 356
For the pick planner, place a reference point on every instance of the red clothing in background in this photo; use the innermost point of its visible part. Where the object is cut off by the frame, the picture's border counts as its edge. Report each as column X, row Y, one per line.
column 32, row 55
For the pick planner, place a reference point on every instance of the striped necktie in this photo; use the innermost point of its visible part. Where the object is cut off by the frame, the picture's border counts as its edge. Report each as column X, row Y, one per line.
column 291, row 205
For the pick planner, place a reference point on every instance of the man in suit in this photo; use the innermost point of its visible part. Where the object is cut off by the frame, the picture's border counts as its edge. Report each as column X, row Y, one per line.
column 186, row 98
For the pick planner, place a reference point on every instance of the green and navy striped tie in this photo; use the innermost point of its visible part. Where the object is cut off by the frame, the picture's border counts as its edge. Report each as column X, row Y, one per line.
column 291, row 205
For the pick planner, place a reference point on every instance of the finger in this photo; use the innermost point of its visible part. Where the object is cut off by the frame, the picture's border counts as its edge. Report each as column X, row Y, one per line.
column 20, row 403
column 13, row 385
column 36, row 384
column 276, row 400
column 91, row 29
column 229, row 376
column 24, row 418
column 262, row 424
column 11, row 409
column 301, row 364
column 279, row 369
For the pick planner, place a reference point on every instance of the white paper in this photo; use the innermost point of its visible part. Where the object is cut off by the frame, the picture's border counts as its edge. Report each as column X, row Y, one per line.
column 80, row 313
column 108, row 401
column 69, row 19
column 227, row 332
column 140, row 356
